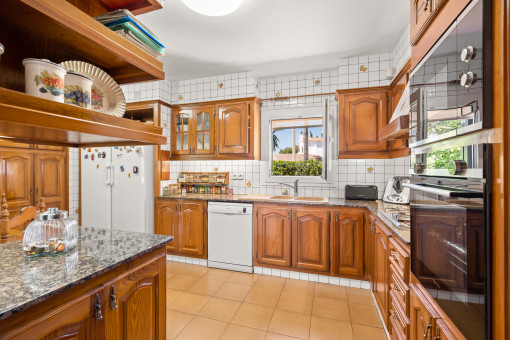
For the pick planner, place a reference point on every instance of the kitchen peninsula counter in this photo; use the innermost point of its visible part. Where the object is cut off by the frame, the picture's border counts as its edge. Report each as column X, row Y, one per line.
column 101, row 260
column 375, row 207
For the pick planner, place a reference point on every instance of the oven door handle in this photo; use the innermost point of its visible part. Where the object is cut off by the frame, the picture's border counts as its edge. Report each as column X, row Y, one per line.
column 444, row 192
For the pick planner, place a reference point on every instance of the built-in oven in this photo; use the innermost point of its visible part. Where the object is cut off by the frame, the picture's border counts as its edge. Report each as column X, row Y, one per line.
column 447, row 86
column 450, row 219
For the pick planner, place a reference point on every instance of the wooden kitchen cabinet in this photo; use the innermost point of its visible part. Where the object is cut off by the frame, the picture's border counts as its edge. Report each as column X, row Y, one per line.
column 186, row 221
column 429, row 19
column 73, row 319
column 193, row 130
column 227, row 129
column 273, row 230
column 422, row 315
column 292, row 238
column 50, row 179
column 133, row 304
column 166, row 221
column 133, row 309
column 310, row 239
column 233, row 128
column 27, row 174
column 347, row 229
column 380, row 287
column 191, row 228
column 362, row 113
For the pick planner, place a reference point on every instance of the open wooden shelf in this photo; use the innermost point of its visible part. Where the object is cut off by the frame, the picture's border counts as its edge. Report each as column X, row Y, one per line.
column 58, row 31
column 135, row 6
column 29, row 119
column 397, row 129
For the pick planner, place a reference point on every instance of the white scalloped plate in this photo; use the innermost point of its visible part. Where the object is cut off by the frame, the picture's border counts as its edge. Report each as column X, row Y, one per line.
column 110, row 98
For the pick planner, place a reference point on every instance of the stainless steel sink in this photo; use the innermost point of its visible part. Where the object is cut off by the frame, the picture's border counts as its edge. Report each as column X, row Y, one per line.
column 310, row 199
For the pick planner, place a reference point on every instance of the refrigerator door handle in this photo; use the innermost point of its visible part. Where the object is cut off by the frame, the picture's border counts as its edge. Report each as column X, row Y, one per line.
column 111, row 175
column 108, row 175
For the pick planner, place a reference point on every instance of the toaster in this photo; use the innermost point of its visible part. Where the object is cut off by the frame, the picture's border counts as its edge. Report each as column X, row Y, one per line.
column 361, row 192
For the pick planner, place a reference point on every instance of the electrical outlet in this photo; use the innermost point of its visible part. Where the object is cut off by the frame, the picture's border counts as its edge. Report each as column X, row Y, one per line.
column 240, row 176
column 234, row 176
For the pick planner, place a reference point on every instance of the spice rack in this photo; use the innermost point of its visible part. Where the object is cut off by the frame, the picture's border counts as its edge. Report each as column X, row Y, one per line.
column 204, row 182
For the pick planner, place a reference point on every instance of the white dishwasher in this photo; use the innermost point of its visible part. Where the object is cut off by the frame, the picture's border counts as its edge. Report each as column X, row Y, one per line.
column 230, row 236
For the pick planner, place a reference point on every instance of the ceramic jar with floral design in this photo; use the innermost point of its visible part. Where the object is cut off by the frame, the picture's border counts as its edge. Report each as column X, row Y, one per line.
column 44, row 79
column 77, row 90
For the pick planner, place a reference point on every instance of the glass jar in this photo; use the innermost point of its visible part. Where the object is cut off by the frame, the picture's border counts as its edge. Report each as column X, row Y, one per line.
column 51, row 233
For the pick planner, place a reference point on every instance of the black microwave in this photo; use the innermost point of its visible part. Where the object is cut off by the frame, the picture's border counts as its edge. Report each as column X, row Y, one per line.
column 449, row 85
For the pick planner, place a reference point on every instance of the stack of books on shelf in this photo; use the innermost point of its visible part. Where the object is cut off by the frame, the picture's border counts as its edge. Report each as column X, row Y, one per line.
column 125, row 24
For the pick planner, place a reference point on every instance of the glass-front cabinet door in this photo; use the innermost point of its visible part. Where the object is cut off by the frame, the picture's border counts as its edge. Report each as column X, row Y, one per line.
column 181, row 132
column 204, row 130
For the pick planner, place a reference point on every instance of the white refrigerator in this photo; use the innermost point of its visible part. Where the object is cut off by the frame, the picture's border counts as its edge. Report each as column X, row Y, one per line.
column 117, row 188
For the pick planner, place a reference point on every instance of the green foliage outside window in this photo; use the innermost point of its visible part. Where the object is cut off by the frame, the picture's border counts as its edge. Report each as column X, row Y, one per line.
column 288, row 150
column 311, row 167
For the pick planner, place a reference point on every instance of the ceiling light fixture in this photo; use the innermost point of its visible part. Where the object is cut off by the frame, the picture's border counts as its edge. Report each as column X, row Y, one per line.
column 213, row 8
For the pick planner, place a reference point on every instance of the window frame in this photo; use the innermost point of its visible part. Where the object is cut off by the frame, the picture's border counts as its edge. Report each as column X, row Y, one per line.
column 326, row 111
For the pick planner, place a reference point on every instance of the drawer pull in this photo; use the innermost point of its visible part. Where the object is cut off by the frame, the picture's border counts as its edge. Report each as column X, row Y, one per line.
column 395, row 316
column 113, row 298
column 395, row 287
column 97, row 308
column 395, row 256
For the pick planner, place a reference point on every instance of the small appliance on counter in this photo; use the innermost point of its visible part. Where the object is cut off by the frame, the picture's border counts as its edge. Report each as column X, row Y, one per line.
column 395, row 192
column 361, row 192
column 51, row 233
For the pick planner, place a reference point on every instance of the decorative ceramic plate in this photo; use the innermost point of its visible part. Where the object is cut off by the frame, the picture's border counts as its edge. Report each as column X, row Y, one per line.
column 107, row 96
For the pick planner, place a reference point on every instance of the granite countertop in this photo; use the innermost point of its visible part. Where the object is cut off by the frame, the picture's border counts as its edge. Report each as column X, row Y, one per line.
column 25, row 282
column 404, row 233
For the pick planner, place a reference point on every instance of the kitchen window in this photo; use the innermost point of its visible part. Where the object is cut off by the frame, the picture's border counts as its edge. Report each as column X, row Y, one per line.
column 298, row 147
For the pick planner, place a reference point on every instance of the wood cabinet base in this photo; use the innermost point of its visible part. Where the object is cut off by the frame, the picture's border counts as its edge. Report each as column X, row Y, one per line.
column 136, row 310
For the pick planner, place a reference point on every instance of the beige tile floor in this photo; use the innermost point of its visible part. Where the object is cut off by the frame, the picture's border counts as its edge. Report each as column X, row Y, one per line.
column 204, row 303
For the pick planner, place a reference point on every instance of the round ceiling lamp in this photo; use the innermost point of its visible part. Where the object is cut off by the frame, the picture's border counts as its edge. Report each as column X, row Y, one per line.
column 213, row 8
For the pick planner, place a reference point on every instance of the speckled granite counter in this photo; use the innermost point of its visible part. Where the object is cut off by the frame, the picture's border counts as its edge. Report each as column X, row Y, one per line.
column 404, row 233
column 25, row 282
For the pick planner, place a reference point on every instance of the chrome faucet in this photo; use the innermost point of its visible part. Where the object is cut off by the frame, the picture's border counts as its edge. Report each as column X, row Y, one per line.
column 295, row 187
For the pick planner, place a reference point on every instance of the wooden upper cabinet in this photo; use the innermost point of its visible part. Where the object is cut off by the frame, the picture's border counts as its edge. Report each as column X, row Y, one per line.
column 273, row 232
column 203, row 130
column 233, row 128
column 134, row 302
column 310, row 233
column 16, row 175
column 227, row 129
column 181, row 131
column 166, row 221
column 49, row 179
column 347, row 242
column 421, row 13
column 429, row 20
column 362, row 113
column 191, row 228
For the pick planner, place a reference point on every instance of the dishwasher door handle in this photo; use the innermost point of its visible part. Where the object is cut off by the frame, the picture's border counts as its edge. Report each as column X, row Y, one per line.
column 229, row 214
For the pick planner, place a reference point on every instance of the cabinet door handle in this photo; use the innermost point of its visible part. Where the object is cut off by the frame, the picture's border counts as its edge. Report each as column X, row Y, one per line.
column 31, row 191
column 97, row 308
column 288, row 214
column 294, row 214
column 426, row 5
column 113, row 298
column 336, row 217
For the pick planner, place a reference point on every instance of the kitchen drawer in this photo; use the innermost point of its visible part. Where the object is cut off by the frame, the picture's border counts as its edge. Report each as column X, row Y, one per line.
column 400, row 259
column 399, row 288
column 398, row 317
column 395, row 331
